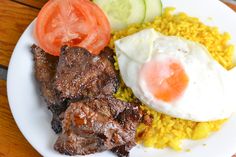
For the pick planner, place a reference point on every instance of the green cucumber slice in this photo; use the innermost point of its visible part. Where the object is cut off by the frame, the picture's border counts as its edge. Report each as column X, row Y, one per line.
column 153, row 9
column 122, row 13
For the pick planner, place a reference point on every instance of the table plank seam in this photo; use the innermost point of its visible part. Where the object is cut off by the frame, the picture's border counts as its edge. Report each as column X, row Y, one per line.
column 38, row 8
column 3, row 67
column 3, row 74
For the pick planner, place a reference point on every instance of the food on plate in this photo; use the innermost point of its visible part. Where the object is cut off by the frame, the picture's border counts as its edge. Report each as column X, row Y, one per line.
column 78, row 87
column 76, row 70
column 80, row 74
column 190, row 28
column 45, row 70
column 74, row 23
column 170, row 68
column 122, row 13
column 175, row 76
column 153, row 9
column 167, row 131
column 97, row 124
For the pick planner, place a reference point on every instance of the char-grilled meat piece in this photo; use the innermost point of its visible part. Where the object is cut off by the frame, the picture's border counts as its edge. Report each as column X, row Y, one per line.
column 81, row 74
column 96, row 121
column 45, row 70
column 58, row 111
column 108, row 53
column 105, row 122
column 123, row 150
column 129, row 120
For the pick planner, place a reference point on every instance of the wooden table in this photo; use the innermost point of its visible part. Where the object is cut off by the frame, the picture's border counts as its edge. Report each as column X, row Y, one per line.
column 15, row 15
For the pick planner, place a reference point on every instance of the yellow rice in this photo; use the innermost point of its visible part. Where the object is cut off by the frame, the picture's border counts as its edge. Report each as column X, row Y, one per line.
column 166, row 131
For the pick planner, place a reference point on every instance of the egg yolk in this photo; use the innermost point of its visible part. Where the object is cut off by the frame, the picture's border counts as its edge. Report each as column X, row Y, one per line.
column 166, row 79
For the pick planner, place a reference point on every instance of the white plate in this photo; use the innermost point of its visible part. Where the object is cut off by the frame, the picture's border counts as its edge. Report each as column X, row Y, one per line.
column 33, row 118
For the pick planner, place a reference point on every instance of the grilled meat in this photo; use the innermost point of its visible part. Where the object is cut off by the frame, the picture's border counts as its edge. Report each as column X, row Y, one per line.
column 106, row 121
column 81, row 74
column 45, row 70
column 95, row 121
column 58, row 111
column 123, row 150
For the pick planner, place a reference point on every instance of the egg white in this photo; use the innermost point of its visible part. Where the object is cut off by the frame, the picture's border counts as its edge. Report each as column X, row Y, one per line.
column 209, row 94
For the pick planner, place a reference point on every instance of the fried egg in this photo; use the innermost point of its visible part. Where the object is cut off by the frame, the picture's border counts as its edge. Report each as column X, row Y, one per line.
column 176, row 76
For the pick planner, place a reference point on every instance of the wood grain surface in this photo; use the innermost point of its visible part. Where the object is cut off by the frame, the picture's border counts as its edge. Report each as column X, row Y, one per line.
column 33, row 3
column 231, row 6
column 14, row 18
column 12, row 142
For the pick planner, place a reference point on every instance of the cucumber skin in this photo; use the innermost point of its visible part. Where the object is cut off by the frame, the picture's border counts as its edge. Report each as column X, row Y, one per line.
column 145, row 4
column 161, row 7
column 145, row 10
column 140, row 21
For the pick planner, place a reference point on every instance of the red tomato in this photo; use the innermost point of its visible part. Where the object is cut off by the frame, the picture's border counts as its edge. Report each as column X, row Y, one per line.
column 74, row 23
column 103, row 30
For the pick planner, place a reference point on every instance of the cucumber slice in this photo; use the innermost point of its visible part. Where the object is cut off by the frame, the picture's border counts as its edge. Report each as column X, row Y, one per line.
column 153, row 9
column 122, row 13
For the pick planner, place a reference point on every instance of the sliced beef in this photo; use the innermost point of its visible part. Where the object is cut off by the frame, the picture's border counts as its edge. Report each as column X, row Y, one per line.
column 78, row 88
column 129, row 120
column 81, row 74
column 45, row 70
column 58, row 111
column 103, row 78
column 108, row 53
column 107, row 123
column 123, row 150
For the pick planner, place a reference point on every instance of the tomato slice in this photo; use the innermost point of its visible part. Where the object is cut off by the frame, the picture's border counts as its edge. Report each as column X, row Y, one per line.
column 74, row 23
column 103, row 28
